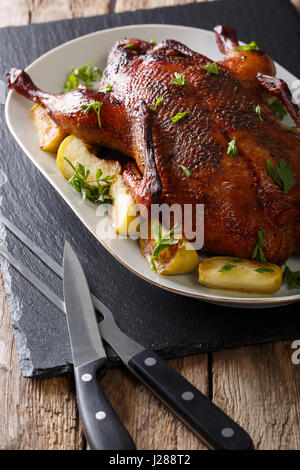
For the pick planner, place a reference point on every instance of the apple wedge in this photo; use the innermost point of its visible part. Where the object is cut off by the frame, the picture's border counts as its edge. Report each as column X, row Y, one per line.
column 223, row 272
column 49, row 134
column 124, row 216
column 76, row 151
column 178, row 258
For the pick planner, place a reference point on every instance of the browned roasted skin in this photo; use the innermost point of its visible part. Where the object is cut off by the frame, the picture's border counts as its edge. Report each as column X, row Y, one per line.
column 240, row 197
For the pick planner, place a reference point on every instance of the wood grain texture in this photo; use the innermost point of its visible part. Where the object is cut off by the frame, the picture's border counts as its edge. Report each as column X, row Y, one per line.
column 129, row 5
column 15, row 12
column 258, row 386
column 33, row 414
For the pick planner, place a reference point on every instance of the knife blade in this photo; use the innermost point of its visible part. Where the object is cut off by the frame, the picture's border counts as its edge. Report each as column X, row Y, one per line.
column 208, row 421
column 102, row 427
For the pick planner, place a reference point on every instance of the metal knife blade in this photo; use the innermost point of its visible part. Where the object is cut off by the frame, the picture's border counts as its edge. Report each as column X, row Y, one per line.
column 86, row 343
column 102, row 427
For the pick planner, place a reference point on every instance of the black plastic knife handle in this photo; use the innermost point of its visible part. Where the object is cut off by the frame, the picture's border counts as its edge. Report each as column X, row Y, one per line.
column 102, row 427
column 208, row 421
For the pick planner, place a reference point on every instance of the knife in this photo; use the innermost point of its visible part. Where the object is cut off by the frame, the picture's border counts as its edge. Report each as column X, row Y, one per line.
column 208, row 421
column 102, row 427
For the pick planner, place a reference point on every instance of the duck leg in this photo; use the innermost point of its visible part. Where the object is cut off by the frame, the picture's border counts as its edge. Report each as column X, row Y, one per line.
column 67, row 110
column 243, row 64
column 278, row 88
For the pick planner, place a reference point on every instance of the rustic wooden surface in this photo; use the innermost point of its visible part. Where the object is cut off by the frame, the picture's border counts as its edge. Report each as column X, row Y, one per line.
column 257, row 386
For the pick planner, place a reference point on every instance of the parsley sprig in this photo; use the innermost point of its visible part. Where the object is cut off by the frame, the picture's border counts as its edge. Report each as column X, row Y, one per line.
column 282, row 174
column 163, row 242
column 85, row 75
column 97, row 192
column 211, row 67
column 179, row 116
column 232, row 148
column 152, row 41
column 178, row 79
column 258, row 253
column 158, row 101
column 277, row 109
column 93, row 106
column 252, row 46
column 292, row 278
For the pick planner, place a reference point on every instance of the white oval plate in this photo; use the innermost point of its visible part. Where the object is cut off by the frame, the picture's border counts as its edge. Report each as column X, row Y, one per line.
column 49, row 73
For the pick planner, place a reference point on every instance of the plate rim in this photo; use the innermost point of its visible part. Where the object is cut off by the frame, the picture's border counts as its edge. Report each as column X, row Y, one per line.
column 242, row 302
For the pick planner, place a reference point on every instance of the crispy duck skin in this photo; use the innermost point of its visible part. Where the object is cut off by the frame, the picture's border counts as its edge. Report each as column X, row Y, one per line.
column 239, row 195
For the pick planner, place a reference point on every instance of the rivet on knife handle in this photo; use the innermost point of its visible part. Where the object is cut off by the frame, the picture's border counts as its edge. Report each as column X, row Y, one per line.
column 102, row 427
column 208, row 421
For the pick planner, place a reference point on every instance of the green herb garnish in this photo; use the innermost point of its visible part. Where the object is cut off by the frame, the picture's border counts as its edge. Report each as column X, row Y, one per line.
column 232, row 148
column 129, row 46
column 186, row 170
column 93, row 106
column 178, row 79
column 236, row 260
column 252, row 46
column 179, row 116
column 85, row 75
column 257, row 109
column 163, row 241
column 277, row 109
column 258, row 253
column 107, row 89
column 96, row 193
column 227, row 267
column 152, row 41
column 264, row 270
column 211, row 67
column 158, row 101
column 282, row 174
column 291, row 278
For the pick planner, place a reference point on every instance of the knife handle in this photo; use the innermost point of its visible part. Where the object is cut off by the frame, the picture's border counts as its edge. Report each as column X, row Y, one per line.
column 102, row 427
column 208, row 421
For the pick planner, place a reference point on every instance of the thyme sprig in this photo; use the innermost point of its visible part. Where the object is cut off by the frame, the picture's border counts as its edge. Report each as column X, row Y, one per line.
column 98, row 192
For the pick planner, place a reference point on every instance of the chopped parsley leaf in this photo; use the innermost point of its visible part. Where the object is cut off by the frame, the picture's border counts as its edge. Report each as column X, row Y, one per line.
column 179, row 116
column 252, row 46
column 282, row 174
column 211, row 67
column 232, row 148
column 93, row 106
column 227, row 267
column 186, row 170
column 178, row 79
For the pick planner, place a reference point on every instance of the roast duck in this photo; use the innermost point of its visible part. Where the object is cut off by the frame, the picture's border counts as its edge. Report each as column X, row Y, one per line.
column 240, row 196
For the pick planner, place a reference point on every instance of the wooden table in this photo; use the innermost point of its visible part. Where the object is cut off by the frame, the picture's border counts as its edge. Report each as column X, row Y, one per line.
column 257, row 386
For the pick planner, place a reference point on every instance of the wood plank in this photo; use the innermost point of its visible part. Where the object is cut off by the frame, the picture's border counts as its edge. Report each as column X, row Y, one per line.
column 149, row 422
column 259, row 387
column 34, row 414
column 15, row 12
column 129, row 5
column 50, row 10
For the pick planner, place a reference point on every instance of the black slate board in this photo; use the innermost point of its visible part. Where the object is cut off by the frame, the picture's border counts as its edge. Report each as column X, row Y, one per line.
column 170, row 324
